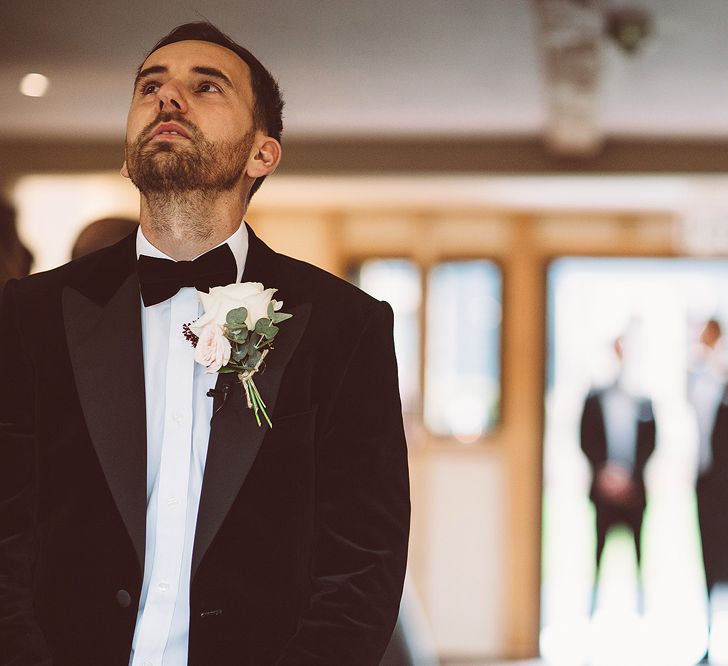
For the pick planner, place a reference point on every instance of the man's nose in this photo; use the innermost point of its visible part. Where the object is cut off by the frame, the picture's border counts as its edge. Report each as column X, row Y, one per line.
column 171, row 98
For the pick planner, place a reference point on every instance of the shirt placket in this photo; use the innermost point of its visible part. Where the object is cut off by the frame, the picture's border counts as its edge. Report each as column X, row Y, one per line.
column 174, row 471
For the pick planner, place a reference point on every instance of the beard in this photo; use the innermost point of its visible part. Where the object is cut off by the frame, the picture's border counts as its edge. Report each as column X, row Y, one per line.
column 178, row 167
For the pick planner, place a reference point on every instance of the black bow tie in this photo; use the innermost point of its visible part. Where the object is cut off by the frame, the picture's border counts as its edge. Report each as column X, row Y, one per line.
column 160, row 279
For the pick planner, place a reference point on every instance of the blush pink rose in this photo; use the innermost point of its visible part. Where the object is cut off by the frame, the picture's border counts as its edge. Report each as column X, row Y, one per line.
column 213, row 348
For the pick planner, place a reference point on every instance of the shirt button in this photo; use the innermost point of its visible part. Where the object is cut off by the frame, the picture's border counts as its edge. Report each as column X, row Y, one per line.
column 123, row 598
column 172, row 501
column 163, row 586
column 177, row 417
column 147, row 663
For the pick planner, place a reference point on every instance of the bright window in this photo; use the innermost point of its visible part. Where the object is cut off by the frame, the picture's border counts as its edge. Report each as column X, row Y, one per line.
column 398, row 281
column 462, row 379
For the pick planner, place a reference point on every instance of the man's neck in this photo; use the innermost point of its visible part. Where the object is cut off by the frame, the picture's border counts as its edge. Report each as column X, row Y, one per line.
column 186, row 225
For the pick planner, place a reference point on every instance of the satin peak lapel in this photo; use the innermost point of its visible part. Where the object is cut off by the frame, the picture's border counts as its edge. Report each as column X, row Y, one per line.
column 236, row 438
column 105, row 345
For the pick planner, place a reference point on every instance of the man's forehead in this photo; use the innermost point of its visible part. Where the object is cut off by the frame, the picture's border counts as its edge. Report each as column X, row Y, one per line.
column 197, row 53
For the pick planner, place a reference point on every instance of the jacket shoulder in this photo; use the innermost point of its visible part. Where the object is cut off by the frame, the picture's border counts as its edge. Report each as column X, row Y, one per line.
column 92, row 274
column 645, row 410
column 313, row 284
column 594, row 394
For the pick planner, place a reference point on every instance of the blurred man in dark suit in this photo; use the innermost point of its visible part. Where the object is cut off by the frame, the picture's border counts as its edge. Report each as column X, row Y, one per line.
column 707, row 374
column 102, row 233
column 617, row 437
column 15, row 259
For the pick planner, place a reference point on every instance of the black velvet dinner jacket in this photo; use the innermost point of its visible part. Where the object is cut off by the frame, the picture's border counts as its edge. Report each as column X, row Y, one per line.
column 301, row 538
column 594, row 442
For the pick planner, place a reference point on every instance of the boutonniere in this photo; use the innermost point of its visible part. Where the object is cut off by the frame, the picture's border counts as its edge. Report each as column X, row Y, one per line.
column 235, row 334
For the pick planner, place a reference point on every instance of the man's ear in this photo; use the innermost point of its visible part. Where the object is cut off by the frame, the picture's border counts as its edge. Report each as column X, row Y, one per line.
column 124, row 171
column 265, row 156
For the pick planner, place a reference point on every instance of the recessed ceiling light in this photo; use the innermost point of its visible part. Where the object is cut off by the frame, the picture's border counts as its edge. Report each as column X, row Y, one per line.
column 34, row 85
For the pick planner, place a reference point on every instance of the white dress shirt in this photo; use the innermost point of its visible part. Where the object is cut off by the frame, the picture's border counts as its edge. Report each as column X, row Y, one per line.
column 178, row 430
column 706, row 388
column 621, row 415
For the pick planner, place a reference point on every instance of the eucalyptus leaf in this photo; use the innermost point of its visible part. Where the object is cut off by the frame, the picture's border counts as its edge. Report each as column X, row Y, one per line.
column 278, row 317
column 266, row 335
column 238, row 336
column 261, row 325
column 248, row 347
column 252, row 360
column 235, row 319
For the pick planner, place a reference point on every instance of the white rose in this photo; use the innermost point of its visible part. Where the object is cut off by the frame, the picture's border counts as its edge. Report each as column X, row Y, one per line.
column 213, row 348
column 250, row 295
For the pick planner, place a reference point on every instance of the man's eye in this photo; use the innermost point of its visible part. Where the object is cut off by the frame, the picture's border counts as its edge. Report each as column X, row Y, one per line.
column 148, row 88
column 208, row 87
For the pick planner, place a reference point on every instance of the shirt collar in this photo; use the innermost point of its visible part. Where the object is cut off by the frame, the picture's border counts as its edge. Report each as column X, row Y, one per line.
column 238, row 243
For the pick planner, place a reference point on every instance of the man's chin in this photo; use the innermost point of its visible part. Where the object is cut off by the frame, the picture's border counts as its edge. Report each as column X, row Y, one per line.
column 159, row 177
column 162, row 147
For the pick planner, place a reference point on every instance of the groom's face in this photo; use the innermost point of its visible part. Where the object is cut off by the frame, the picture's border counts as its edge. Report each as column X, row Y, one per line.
column 190, row 124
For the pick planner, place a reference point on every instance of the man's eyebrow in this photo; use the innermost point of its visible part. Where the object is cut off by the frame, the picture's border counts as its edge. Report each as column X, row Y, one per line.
column 214, row 72
column 205, row 71
column 154, row 69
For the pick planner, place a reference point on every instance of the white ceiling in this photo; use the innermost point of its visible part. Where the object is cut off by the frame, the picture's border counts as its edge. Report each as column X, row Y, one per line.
column 376, row 67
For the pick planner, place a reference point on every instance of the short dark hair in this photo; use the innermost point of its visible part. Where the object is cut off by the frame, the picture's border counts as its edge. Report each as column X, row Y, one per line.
column 267, row 99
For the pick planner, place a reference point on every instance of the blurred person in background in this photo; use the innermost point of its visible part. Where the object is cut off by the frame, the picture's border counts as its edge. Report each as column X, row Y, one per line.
column 101, row 233
column 618, row 437
column 706, row 383
column 15, row 259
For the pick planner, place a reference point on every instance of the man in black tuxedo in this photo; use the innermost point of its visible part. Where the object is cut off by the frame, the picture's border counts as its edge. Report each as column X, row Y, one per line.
column 145, row 517
column 618, row 438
